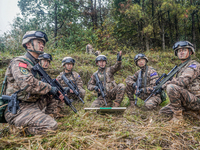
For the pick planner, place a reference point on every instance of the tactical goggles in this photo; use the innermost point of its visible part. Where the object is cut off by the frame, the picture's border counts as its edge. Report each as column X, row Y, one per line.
column 69, row 60
column 38, row 34
column 182, row 44
column 46, row 56
column 138, row 55
column 101, row 58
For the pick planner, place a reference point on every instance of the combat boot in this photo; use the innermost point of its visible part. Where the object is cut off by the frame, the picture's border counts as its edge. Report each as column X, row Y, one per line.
column 177, row 118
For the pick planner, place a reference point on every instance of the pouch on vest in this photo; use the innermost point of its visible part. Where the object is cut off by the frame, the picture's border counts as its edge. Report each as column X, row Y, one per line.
column 163, row 96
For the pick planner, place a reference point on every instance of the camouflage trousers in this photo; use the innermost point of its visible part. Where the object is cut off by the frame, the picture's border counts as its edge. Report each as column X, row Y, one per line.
column 61, row 105
column 152, row 103
column 180, row 99
column 31, row 118
column 116, row 94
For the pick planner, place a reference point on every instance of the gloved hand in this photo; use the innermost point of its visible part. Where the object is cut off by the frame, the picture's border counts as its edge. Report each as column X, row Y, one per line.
column 96, row 88
column 67, row 89
column 119, row 57
column 140, row 91
column 134, row 85
column 53, row 91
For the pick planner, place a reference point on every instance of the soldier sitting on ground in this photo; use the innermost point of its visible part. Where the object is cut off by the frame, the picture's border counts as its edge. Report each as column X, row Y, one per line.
column 19, row 77
column 106, row 76
column 149, row 77
column 68, row 64
column 183, row 90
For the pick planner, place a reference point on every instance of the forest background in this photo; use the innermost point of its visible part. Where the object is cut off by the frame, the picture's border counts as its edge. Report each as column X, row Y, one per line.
column 106, row 24
column 138, row 26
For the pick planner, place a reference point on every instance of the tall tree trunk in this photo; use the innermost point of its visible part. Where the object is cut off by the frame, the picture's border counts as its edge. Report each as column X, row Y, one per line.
column 95, row 14
column 92, row 14
column 163, row 37
column 56, row 24
column 193, row 30
column 170, row 29
column 100, row 13
column 176, row 27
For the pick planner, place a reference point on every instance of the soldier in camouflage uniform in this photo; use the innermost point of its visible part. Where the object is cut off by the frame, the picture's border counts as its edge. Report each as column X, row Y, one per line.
column 106, row 75
column 68, row 64
column 183, row 90
column 149, row 77
column 20, row 77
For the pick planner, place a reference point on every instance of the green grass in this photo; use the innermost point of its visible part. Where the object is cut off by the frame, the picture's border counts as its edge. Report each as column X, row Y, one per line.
column 133, row 129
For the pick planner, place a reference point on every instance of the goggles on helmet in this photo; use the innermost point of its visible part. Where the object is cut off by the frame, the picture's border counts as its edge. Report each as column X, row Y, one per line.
column 138, row 55
column 101, row 58
column 69, row 60
column 46, row 56
column 182, row 44
column 38, row 34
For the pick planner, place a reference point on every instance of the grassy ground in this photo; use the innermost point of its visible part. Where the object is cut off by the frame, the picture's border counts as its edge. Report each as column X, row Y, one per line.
column 133, row 129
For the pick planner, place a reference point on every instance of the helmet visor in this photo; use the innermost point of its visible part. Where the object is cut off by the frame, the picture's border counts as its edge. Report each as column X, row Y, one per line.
column 101, row 58
column 138, row 56
column 69, row 60
column 38, row 34
column 46, row 56
column 181, row 43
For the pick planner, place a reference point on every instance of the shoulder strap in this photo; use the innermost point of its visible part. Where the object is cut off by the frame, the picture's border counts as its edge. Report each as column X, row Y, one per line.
column 2, row 88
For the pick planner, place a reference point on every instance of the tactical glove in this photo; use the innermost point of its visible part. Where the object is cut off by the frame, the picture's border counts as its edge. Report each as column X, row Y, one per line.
column 96, row 88
column 53, row 91
column 119, row 58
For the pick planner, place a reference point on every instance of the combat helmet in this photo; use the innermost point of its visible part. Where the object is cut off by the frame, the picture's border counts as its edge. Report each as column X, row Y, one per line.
column 68, row 60
column 101, row 57
column 30, row 35
column 182, row 44
column 140, row 56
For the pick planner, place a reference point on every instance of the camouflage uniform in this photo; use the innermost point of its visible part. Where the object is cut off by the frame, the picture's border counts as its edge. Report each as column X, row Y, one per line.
column 29, row 115
column 183, row 91
column 113, row 91
column 76, row 79
column 151, row 78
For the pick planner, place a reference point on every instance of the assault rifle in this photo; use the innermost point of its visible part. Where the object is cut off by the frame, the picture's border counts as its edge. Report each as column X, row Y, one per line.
column 138, row 86
column 53, row 82
column 13, row 103
column 100, row 86
column 72, row 86
column 162, row 80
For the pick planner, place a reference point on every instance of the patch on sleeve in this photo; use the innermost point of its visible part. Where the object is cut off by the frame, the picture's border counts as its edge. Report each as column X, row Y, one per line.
column 193, row 66
column 23, row 70
column 23, row 65
column 153, row 74
column 79, row 76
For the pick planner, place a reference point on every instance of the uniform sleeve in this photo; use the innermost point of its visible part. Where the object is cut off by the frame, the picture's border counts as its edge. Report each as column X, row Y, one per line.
column 130, row 80
column 186, row 77
column 25, row 80
column 91, row 83
column 153, row 77
column 116, row 67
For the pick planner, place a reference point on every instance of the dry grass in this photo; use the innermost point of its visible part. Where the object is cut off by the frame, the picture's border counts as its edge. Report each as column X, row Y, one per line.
column 133, row 129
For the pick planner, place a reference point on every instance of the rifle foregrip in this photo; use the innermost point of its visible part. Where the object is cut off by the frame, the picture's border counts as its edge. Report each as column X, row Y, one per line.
column 14, row 110
column 6, row 97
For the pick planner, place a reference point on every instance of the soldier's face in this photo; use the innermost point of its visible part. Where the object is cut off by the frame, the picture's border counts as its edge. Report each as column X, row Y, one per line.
column 183, row 53
column 141, row 62
column 38, row 45
column 69, row 66
column 101, row 63
column 44, row 63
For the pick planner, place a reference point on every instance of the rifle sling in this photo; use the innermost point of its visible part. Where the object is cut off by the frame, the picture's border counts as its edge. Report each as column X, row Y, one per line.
column 145, row 79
